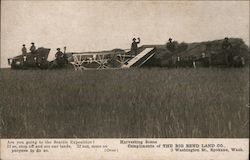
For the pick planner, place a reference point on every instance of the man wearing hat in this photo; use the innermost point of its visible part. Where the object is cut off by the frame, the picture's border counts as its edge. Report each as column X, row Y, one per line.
column 226, row 45
column 24, row 50
column 59, row 53
column 134, row 46
column 227, row 51
column 170, row 45
column 33, row 47
column 59, row 57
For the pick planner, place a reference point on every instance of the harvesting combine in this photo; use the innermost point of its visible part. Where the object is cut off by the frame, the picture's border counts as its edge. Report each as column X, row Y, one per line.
column 204, row 54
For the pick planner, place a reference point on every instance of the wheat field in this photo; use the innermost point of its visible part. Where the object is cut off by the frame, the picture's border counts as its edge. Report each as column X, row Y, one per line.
column 129, row 103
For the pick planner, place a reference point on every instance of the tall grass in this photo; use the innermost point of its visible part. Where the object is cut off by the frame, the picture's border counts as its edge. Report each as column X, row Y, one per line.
column 131, row 103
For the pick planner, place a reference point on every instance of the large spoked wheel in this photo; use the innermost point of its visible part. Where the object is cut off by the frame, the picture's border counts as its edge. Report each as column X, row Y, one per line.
column 102, row 62
column 78, row 66
column 78, row 63
column 121, row 58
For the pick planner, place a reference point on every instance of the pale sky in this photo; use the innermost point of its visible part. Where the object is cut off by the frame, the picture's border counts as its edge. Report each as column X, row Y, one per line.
column 104, row 25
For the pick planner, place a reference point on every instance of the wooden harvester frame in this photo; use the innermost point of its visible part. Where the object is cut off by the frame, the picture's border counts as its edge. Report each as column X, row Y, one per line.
column 103, row 60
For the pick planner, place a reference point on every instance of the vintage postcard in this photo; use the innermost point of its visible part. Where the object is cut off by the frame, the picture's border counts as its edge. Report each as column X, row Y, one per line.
column 124, row 80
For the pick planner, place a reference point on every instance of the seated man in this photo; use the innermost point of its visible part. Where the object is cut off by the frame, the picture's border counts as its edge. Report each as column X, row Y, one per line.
column 171, row 45
column 59, row 58
column 59, row 53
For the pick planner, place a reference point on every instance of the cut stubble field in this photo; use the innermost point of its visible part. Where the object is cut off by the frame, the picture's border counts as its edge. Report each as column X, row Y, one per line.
column 129, row 103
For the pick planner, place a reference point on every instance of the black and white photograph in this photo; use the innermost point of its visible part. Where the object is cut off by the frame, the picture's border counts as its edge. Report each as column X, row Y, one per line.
column 124, row 70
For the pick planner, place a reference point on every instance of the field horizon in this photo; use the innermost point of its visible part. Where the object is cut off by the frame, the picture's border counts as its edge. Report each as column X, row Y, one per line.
column 125, row 103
